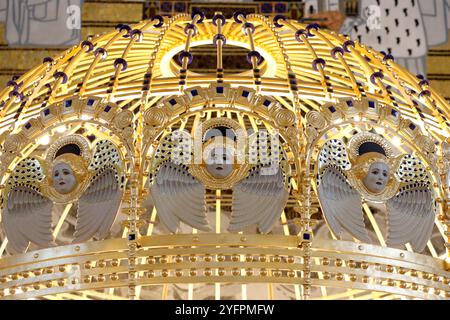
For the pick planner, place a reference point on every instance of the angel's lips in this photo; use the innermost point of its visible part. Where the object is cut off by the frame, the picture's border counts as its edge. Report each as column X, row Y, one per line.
column 219, row 168
column 61, row 183
column 379, row 183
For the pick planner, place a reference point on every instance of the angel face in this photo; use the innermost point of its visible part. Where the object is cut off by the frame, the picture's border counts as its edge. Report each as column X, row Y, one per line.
column 219, row 162
column 377, row 177
column 64, row 180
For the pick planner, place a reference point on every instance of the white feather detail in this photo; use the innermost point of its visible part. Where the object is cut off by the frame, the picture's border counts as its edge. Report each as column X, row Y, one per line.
column 98, row 206
column 258, row 199
column 27, row 218
column 178, row 196
column 411, row 217
column 341, row 204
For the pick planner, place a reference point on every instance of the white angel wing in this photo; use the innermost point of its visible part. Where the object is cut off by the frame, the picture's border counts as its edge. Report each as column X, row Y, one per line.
column 412, row 211
column 178, row 196
column 98, row 206
column 27, row 214
column 258, row 199
column 341, row 204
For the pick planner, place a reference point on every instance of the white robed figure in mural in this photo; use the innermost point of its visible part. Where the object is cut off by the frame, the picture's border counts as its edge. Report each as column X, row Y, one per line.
column 42, row 22
column 406, row 29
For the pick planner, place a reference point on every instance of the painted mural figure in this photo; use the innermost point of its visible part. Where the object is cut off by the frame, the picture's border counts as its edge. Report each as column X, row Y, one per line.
column 406, row 29
column 42, row 22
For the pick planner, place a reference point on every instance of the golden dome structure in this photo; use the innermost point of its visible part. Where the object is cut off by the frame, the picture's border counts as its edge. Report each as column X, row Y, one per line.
column 134, row 87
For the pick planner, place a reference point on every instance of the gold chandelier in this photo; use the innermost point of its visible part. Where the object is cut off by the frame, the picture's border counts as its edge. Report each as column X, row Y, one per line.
column 133, row 86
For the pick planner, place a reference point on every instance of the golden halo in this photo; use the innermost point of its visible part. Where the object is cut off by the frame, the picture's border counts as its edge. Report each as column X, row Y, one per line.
column 359, row 139
column 238, row 130
column 76, row 139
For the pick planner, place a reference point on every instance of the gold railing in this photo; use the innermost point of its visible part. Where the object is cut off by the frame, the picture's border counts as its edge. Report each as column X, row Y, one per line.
column 222, row 258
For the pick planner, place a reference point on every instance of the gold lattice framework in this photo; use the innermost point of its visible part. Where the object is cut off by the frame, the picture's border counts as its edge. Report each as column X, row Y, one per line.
column 129, row 85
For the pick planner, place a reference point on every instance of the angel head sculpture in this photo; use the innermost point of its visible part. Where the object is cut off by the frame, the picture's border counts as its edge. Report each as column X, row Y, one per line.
column 219, row 160
column 178, row 185
column 367, row 170
column 71, row 172
column 66, row 172
column 373, row 166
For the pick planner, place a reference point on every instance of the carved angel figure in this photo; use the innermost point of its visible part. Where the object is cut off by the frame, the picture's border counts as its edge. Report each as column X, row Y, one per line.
column 70, row 172
column 369, row 171
column 178, row 184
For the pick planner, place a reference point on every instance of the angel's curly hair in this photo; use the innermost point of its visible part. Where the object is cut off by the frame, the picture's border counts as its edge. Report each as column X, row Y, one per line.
column 363, row 162
column 76, row 163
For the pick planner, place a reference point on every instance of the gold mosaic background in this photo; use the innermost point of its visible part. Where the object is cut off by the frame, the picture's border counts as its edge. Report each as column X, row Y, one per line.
column 103, row 15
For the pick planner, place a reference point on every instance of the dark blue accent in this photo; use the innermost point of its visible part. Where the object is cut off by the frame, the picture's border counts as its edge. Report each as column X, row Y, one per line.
column 68, row 103
column 394, row 113
column 372, row 104
column 194, row 93
column 28, row 126
column 107, row 108
column 267, row 103
column 306, row 236
column 131, row 237
column 266, row 8
column 46, row 112
column 219, row 89
column 280, row 7
column 245, row 94
column 173, row 102
column 90, row 102
column 412, row 127
column 332, row 109
column 350, row 103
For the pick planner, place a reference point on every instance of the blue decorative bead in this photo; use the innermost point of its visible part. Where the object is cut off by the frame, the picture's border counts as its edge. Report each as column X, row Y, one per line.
column 60, row 74
column 122, row 62
column 47, row 60
column 300, row 33
column 137, row 35
column 190, row 26
column 102, row 52
column 388, row 57
column 218, row 17
column 254, row 54
column 335, row 51
column 318, row 61
column 160, row 19
column 347, row 44
column 424, row 82
column 246, row 26
column 219, row 37
column 312, row 26
column 237, row 14
column 200, row 13
column 88, row 44
column 425, row 93
column 185, row 54
column 276, row 20
column 126, row 28
column 376, row 75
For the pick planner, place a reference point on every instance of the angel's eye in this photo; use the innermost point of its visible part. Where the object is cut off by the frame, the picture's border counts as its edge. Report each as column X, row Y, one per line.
column 56, row 174
column 375, row 172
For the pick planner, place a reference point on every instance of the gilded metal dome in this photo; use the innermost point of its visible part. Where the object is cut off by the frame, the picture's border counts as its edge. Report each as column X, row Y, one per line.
column 133, row 86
